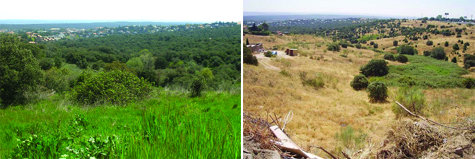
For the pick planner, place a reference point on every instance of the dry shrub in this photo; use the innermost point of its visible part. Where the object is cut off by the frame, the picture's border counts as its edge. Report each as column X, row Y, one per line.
column 409, row 139
column 258, row 130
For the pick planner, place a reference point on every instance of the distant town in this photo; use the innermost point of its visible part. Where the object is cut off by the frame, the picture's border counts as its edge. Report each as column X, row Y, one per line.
column 38, row 35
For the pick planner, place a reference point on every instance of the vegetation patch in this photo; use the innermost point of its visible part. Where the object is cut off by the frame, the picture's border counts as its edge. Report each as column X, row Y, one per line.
column 424, row 72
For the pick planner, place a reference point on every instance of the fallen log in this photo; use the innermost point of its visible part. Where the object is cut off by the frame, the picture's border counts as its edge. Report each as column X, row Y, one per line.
column 287, row 144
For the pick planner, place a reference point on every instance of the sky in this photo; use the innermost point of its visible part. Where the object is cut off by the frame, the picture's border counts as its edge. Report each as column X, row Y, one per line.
column 123, row 10
column 395, row 8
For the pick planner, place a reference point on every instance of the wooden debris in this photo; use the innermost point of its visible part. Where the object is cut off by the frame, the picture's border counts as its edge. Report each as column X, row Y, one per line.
column 287, row 144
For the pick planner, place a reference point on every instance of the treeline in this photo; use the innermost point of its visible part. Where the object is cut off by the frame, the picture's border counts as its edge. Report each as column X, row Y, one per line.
column 207, row 58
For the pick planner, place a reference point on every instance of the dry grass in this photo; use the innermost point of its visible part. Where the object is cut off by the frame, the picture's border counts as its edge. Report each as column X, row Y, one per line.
column 319, row 114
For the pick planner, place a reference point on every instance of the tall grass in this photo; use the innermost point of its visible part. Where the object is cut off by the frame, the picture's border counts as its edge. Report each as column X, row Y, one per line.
column 170, row 125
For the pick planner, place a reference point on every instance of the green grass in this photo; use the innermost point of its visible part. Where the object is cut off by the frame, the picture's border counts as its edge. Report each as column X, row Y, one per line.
column 168, row 125
column 369, row 37
column 424, row 72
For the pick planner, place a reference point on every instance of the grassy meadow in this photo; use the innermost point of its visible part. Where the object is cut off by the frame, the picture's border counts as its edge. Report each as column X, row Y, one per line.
column 168, row 124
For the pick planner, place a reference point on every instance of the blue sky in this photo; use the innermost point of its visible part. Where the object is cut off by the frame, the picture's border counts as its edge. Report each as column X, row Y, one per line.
column 119, row 10
column 400, row 8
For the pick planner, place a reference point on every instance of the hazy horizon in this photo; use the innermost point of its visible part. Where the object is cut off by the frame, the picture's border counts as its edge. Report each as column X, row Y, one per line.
column 205, row 11
column 380, row 8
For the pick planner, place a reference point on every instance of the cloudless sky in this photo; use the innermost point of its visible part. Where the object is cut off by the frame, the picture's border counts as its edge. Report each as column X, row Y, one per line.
column 137, row 10
column 399, row 8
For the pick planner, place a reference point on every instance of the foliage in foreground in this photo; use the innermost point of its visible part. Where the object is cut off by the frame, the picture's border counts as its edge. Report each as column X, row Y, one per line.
column 19, row 71
column 116, row 87
column 172, row 125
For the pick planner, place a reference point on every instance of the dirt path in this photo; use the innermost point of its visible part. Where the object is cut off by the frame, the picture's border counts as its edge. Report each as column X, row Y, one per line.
column 266, row 61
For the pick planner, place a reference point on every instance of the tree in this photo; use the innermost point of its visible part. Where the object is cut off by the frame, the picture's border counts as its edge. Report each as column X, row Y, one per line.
column 454, row 60
column 375, row 68
column 247, row 41
column 438, row 53
column 161, row 62
column 395, row 43
column 19, row 71
column 248, row 58
column 265, row 26
column 401, row 58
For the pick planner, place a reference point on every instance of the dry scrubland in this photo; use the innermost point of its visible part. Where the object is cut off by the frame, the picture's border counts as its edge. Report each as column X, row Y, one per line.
column 438, row 40
column 322, row 115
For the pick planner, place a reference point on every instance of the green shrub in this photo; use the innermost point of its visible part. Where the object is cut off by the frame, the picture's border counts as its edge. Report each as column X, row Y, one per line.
column 446, row 44
column 438, row 53
column 197, row 86
column 455, row 47
column 248, row 58
column 427, row 53
column 116, row 87
column 268, row 54
column 468, row 61
column 375, row 68
column 333, row 47
column 454, row 60
column 401, row 58
column 429, row 43
column 19, row 71
column 410, row 97
column 358, row 46
column 375, row 46
column 359, row 82
column 377, row 92
column 389, row 57
column 316, row 82
column 57, row 79
column 395, row 43
column 406, row 49
column 469, row 83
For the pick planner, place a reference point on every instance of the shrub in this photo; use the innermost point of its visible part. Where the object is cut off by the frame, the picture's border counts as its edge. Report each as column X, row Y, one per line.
column 469, row 83
column 268, row 54
column 427, row 53
column 375, row 46
column 359, row 82
column 406, row 49
column 375, row 68
column 395, row 43
column 389, row 57
column 315, row 82
column 410, row 97
column 344, row 44
column 454, row 60
column 438, row 53
column 455, row 47
column 468, row 61
column 429, row 43
column 401, row 58
column 248, row 58
column 358, row 46
column 116, row 87
column 197, row 86
column 446, row 44
column 378, row 92
column 19, row 71
column 333, row 47
column 57, row 79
